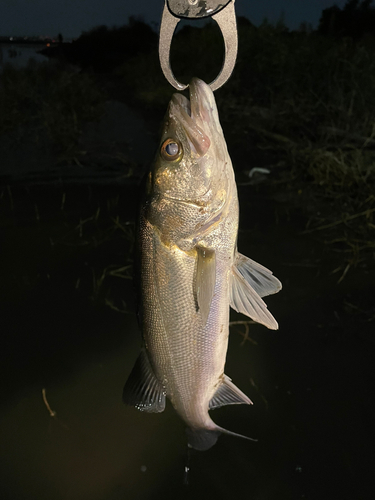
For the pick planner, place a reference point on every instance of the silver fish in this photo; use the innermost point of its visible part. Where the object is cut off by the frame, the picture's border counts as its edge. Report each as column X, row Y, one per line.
column 191, row 272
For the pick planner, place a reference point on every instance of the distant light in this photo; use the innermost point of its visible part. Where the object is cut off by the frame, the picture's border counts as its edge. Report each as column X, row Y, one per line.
column 11, row 38
column 48, row 44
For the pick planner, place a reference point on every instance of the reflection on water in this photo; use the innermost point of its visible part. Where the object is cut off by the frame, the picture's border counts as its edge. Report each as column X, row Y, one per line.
column 311, row 413
column 19, row 55
column 95, row 448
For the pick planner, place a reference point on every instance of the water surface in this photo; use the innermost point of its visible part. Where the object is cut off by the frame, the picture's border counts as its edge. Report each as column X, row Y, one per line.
column 74, row 334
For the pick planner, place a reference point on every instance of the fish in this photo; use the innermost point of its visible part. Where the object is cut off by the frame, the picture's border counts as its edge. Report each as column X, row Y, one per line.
column 191, row 273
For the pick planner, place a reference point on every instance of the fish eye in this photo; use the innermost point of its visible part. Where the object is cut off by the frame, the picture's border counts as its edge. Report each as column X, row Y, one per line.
column 171, row 150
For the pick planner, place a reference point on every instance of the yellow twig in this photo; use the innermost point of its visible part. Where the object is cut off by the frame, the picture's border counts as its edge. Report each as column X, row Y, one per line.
column 51, row 412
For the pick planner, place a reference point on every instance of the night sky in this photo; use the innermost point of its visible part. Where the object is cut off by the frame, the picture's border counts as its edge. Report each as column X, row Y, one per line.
column 71, row 17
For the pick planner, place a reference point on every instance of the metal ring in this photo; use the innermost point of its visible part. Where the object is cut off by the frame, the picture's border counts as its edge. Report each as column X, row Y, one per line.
column 227, row 23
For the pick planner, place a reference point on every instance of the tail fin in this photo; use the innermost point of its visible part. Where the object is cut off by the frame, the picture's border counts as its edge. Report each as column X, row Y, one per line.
column 204, row 439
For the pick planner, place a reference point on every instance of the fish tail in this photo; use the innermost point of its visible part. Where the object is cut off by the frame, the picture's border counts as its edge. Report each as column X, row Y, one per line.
column 204, row 439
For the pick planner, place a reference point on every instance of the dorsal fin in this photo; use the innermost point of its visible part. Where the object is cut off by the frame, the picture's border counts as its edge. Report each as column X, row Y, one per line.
column 142, row 389
column 228, row 394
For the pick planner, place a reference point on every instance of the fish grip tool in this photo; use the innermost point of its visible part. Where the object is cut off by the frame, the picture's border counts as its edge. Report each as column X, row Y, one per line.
column 221, row 11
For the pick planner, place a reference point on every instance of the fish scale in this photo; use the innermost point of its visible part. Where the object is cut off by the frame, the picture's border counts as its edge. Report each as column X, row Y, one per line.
column 191, row 272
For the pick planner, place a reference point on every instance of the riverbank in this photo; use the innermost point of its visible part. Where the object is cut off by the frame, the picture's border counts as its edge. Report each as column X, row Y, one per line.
column 69, row 329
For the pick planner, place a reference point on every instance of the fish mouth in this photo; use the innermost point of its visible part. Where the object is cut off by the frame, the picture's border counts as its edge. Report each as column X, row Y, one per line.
column 195, row 116
column 195, row 123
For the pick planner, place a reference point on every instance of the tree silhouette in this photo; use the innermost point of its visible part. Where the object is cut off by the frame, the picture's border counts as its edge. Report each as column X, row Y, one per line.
column 103, row 48
column 354, row 20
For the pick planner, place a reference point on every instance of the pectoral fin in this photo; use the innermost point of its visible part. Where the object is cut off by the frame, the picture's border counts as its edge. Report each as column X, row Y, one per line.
column 244, row 299
column 228, row 394
column 205, row 280
column 142, row 389
column 258, row 277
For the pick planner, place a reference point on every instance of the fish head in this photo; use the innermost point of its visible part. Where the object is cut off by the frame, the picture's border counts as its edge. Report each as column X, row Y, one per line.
column 191, row 163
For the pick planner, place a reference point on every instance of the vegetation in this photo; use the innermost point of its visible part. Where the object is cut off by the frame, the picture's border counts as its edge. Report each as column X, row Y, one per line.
column 355, row 20
column 49, row 100
column 134, row 38
column 102, row 49
column 304, row 99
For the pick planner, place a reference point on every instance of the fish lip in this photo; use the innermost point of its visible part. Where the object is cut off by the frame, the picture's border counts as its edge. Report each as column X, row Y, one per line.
column 200, row 96
column 182, row 103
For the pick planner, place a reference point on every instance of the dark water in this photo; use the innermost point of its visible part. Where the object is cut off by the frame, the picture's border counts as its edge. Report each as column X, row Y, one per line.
column 312, row 382
column 19, row 55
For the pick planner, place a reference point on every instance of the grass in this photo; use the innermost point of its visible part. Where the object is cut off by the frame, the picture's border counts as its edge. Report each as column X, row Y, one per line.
column 304, row 101
column 65, row 239
column 100, row 236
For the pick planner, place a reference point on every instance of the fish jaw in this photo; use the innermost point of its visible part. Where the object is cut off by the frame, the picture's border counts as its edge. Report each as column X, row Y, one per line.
column 204, row 109
column 186, row 198
column 180, row 112
column 200, row 172
column 199, row 116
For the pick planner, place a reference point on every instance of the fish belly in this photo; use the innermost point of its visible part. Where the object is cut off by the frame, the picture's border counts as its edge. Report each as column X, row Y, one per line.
column 188, row 357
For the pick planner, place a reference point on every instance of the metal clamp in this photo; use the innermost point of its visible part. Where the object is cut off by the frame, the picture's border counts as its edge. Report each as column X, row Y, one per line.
column 224, row 14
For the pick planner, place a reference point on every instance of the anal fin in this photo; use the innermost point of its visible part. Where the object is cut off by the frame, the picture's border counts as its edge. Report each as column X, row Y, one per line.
column 142, row 389
column 228, row 394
